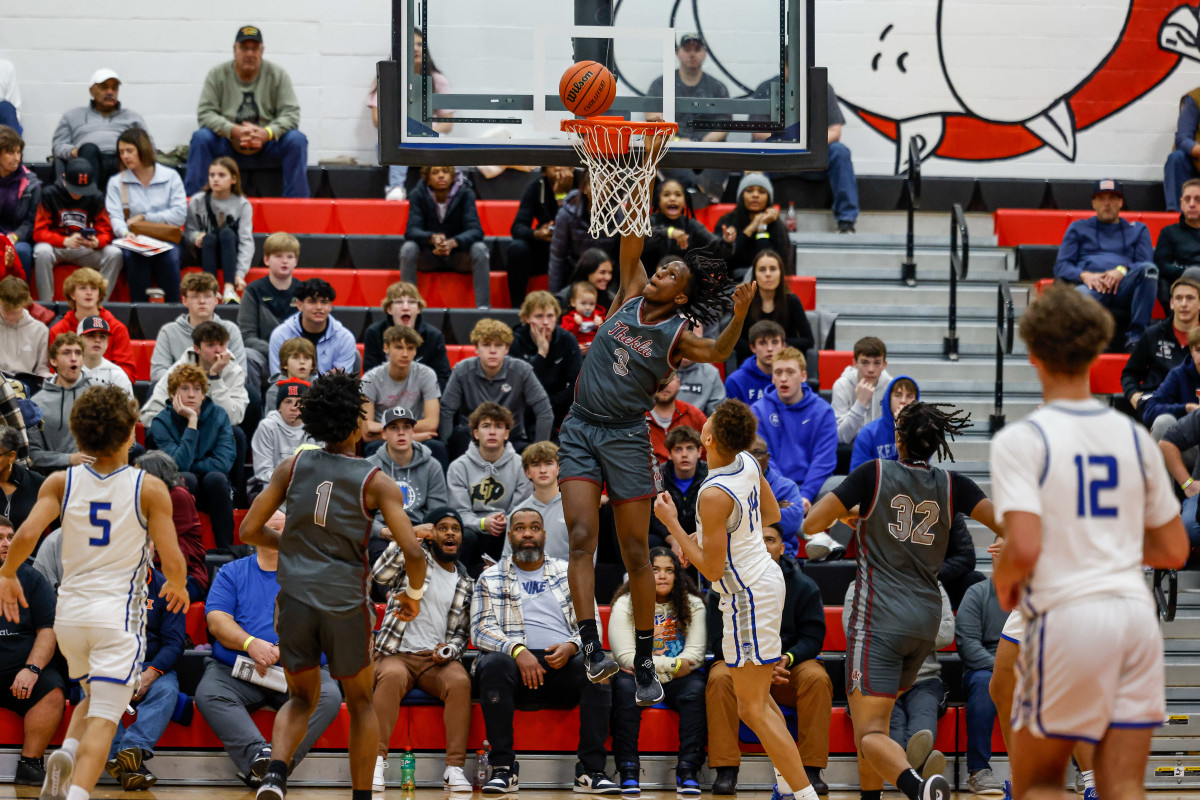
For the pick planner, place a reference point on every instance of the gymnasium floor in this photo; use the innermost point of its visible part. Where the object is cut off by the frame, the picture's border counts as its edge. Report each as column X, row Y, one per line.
column 235, row 793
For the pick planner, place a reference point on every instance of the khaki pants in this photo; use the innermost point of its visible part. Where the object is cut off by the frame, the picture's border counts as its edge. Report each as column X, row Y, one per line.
column 395, row 675
column 808, row 690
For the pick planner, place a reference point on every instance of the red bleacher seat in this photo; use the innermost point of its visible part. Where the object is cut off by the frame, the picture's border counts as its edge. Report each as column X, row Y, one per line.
column 497, row 216
column 371, row 285
column 835, row 635
column 362, row 354
column 1016, row 226
column 143, row 349
column 605, row 613
column 708, row 216
column 805, row 288
column 197, row 627
column 294, row 215
column 377, row 217
column 831, row 364
column 1106, row 373
column 206, row 533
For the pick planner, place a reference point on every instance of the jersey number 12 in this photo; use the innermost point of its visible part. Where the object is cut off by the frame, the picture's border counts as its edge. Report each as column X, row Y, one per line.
column 1087, row 499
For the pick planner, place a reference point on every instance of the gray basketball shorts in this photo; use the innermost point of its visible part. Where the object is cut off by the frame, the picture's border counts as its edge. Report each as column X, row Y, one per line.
column 305, row 633
column 882, row 664
column 620, row 458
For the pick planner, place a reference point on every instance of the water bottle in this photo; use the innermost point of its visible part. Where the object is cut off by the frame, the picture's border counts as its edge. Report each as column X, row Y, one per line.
column 408, row 771
column 481, row 767
column 789, row 221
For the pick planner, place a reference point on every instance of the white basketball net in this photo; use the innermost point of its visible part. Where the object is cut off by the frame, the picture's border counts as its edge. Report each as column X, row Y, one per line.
column 622, row 161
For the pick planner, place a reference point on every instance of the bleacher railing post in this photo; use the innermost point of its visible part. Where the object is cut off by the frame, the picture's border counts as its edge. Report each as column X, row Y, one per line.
column 958, row 271
column 912, row 195
column 1004, row 342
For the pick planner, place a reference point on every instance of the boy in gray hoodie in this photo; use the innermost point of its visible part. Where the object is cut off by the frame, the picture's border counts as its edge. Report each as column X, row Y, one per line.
column 52, row 446
column 279, row 434
column 859, row 389
column 414, row 469
column 200, row 294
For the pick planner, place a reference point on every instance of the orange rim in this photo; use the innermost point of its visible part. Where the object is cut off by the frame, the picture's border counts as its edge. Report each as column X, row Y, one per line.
column 609, row 136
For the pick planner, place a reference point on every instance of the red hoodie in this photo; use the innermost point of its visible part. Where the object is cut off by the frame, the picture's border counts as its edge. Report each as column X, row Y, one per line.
column 16, row 268
column 54, row 228
column 119, row 351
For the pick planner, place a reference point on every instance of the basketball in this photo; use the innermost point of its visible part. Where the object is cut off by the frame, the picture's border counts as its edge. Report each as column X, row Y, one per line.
column 587, row 88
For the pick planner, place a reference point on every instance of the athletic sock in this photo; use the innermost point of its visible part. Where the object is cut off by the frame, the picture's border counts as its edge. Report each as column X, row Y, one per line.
column 278, row 768
column 643, row 647
column 71, row 746
column 1089, row 778
column 807, row 793
column 589, row 635
column 909, row 782
column 874, row 794
column 77, row 793
column 360, row 794
column 782, row 784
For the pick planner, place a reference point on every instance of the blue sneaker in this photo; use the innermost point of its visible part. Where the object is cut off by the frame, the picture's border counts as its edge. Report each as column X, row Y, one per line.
column 1008, row 790
column 1090, row 794
column 778, row 795
column 686, row 784
column 629, row 780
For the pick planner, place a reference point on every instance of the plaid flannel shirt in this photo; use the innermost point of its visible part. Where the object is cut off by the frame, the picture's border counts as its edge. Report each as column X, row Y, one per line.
column 497, row 622
column 10, row 414
column 389, row 572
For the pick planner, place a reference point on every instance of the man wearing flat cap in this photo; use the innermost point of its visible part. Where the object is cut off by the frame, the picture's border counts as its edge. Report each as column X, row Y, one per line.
column 90, row 132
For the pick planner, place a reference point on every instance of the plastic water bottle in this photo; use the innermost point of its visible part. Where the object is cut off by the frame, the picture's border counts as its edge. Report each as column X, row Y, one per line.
column 481, row 767
column 408, row 771
column 789, row 221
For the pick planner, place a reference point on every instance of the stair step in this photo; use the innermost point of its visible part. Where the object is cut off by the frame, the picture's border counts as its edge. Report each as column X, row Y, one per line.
column 892, row 226
column 933, row 271
column 929, row 293
column 973, row 369
column 907, row 336
column 808, row 258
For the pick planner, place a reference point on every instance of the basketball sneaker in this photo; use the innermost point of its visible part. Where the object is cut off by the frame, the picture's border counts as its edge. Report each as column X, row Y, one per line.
column 595, row 783
column 378, row 783
column 918, row 749
column 274, row 787
column 504, row 780
column 823, row 547
column 649, row 690
column 778, row 795
column 600, row 666
column 1090, row 794
column 935, row 788
column 60, row 765
column 630, row 780
column 455, row 781
column 686, row 784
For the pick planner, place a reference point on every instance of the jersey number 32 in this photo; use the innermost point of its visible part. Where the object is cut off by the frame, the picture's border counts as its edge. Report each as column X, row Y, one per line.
column 903, row 528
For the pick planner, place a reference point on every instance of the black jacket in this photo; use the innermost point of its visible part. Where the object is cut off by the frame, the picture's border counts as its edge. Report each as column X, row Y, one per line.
column 660, row 245
column 1157, row 353
column 432, row 353
column 960, row 552
column 745, row 248
column 797, row 332
column 686, row 503
column 537, row 207
column 1178, row 248
column 557, row 372
column 21, row 501
column 802, row 630
column 461, row 222
column 21, row 220
column 165, row 629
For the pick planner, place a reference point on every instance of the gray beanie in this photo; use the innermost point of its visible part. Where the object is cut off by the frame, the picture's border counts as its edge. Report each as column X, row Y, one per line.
column 756, row 179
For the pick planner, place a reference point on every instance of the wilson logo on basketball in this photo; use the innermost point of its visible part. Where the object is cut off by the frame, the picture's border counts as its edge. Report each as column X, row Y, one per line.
column 573, row 92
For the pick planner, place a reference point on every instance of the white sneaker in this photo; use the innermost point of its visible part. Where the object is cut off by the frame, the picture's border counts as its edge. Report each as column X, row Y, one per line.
column 377, row 782
column 396, row 193
column 453, row 780
column 231, row 295
column 60, row 765
column 822, row 546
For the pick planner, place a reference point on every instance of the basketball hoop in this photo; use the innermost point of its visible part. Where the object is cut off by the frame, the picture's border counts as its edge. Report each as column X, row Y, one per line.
column 622, row 159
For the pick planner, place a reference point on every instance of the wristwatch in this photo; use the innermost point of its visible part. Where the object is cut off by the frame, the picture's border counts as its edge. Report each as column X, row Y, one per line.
column 34, row 668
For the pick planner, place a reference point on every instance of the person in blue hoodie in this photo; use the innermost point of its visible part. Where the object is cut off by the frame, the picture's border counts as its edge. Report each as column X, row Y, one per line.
column 1178, row 394
column 1111, row 260
column 877, row 439
column 797, row 425
column 787, row 493
column 751, row 380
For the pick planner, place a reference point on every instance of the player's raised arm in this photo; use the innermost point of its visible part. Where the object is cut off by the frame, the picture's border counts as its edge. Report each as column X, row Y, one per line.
column 633, row 274
column 768, row 505
column 157, row 508
column 44, row 511
column 713, row 510
column 716, row 351
column 385, row 495
column 254, row 528
column 826, row 511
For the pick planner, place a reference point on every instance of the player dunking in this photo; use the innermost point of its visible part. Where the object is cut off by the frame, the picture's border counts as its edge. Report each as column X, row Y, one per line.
column 107, row 509
column 734, row 504
column 903, row 512
column 1086, row 501
column 323, row 607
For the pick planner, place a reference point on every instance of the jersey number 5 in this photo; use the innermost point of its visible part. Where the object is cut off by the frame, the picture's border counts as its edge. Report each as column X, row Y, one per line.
column 903, row 528
column 104, row 525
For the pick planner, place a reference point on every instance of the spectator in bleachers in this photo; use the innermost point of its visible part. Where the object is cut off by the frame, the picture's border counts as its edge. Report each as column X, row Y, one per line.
column 692, row 81
column 540, row 461
column 496, row 377
column 279, row 434
column 680, row 641
column 240, row 610
column 197, row 434
column 402, row 383
column 72, row 227
column 157, row 692
column 859, row 391
column 584, row 315
column 85, row 290
column 571, row 239
column 1110, row 260
column 20, row 195
column 533, row 227
column 594, row 266
column 444, row 233
column 754, row 225
column 336, row 348
column 486, row 482
column 878, row 438
column 1177, row 394
column 412, row 465
column 220, row 227
column 52, row 445
column 682, row 474
column 410, row 654
column 186, row 519
column 297, row 361
column 15, row 407
column 775, row 301
column 669, row 413
column 800, row 680
column 90, row 132
column 673, row 228
column 23, row 340
column 549, row 349
column 146, row 198
column 248, row 110
column 201, row 295
column 36, row 690
column 19, row 485
column 403, row 305
column 1164, row 346
column 10, row 96
column 226, row 381
column 1181, row 163
column 804, row 453
column 700, row 384
column 977, row 629
column 749, row 383
column 267, row 302
column 1178, row 245
column 787, row 494
column 523, row 663
column 98, row 369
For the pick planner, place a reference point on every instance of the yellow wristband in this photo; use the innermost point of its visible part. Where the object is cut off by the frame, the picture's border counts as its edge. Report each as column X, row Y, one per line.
column 1123, row 270
column 670, row 232
column 270, row 133
column 791, row 659
column 1187, row 483
column 246, row 644
column 517, row 650
column 678, row 664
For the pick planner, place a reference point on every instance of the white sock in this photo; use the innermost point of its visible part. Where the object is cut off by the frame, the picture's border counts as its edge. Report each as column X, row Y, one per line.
column 71, row 746
column 1089, row 778
column 784, row 788
column 807, row 793
column 78, row 793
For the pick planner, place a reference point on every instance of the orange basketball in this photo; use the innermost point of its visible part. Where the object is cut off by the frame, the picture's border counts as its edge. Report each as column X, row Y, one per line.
column 587, row 88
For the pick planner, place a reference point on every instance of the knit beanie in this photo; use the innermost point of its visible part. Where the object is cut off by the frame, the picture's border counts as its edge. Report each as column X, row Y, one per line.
column 756, row 179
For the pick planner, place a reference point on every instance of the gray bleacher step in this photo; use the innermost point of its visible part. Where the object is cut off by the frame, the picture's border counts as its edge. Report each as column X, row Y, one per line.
column 972, row 369
column 927, row 271
column 984, row 260
column 933, row 224
column 868, row 307
column 834, row 291
column 1183, row 672
column 1173, row 771
column 903, row 335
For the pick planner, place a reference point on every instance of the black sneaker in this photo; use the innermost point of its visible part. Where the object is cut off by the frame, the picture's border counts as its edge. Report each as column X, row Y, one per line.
column 274, row 787
column 649, row 690
column 814, row 777
column 631, row 780
column 600, row 666
column 934, row 788
column 686, row 784
column 845, row 226
column 259, row 765
column 30, row 772
column 138, row 780
column 504, row 780
column 595, row 783
column 726, row 782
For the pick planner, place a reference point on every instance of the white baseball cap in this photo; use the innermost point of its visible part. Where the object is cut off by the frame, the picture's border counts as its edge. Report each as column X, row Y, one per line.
column 103, row 74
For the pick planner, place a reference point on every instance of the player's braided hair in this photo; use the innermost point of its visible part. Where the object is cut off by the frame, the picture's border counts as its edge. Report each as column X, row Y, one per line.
column 710, row 287
column 333, row 407
column 922, row 427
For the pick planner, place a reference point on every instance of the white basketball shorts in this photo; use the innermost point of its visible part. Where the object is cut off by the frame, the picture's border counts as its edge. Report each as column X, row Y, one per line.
column 751, row 620
column 101, row 654
column 1014, row 627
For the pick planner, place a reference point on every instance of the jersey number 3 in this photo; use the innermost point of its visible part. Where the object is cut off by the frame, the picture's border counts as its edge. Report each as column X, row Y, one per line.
column 104, row 525
column 903, row 528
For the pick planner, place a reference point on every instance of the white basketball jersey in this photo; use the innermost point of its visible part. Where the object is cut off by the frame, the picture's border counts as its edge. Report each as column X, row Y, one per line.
column 104, row 553
column 746, row 558
column 1097, row 480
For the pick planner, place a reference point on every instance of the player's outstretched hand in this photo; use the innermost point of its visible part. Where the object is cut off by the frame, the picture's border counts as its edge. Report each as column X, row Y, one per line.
column 665, row 509
column 176, row 597
column 12, row 599
column 409, row 608
column 742, row 296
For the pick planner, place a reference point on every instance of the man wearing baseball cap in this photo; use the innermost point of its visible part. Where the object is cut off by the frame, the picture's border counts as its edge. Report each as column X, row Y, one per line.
column 411, row 464
column 90, row 132
column 96, row 367
column 1111, row 260
column 248, row 110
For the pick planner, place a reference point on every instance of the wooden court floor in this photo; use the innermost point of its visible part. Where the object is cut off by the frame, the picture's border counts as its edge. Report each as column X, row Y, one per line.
column 171, row 792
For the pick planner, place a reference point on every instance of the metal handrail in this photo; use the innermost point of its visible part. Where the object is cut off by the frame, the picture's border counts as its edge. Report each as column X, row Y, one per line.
column 1005, row 325
column 912, row 199
column 958, row 272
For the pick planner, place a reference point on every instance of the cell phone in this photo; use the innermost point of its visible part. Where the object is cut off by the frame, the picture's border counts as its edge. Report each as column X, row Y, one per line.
column 88, row 232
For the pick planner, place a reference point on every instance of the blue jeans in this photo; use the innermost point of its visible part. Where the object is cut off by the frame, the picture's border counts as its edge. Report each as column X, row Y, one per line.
column 25, row 254
column 153, row 714
column 1135, row 293
column 397, row 175
column 1189, row 520
column 164, row 267
column 981, row 718
column 841, row 180
column 289, row 151
column 219, row 251
column 8, row 116
column 1178, row 169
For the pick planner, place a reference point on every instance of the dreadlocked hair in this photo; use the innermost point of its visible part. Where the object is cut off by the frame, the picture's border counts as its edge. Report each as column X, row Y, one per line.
column 922, row 427
column 710, row 286
column 678, row 600
column 333, row 407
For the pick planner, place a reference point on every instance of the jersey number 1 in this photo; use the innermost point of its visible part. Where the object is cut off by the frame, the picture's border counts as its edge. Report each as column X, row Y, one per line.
column 324, row 490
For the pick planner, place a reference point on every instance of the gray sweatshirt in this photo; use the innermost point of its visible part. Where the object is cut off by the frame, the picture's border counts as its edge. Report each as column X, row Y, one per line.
column 274, row 440
column 86, row 125
column 851, row 417
column 200, row 222
column 175, row 339
column 228, row 390
column 978, row 625
column 422, row 482
column 515, row 387
column 480, row 488
column 701, row 385
column 51, row 445
column 23, row 347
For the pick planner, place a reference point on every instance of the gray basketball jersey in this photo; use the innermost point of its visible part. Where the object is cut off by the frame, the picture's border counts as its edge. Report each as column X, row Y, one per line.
column 323, row 551
column 902, row 542
column 627, row 363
